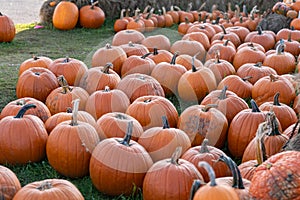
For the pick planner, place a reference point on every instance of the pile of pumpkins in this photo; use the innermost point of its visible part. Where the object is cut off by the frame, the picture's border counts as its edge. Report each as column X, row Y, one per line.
column 289, row 9
column 113, row 122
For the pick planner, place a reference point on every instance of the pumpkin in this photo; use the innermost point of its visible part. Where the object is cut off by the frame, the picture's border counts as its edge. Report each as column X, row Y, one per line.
column 284, row 34
column 187, row 61
column 105, row 101
column 242, row 129
column 26, row 134
column 7, row 30
column 35, row 61
column 255, row 71
column 251, row 45
column 227, row 102
column 266, row 87
column 136, row 24
column 233, row 37
column 224, row 51
column 36, row 82
column 72, row 69
column 65, row 15
column 295, row 22
column 125, row 36
column 124, row 168
column 210, row 154
column 189, row 47
column 213, row 190
column 49, row 189
column 113, row 54
column 270, row 172
column 91, row 16
column 158, row 41
column 264, row 38
column 148, row 110
column 159, row 56
column 291, row 46
column 183, row 27
column 285, row 114
column 170, row 178
column 200, row 122
column 137, row 85
column 121, row 23
column 13, row 107
column 241, row 31
column 70, row 144
column 161, row 142
column 9, row 182
column 138, row 64
column 273, row 139
column 203, row 27
column 174, row 14
column 168, row 75
column 198, row 36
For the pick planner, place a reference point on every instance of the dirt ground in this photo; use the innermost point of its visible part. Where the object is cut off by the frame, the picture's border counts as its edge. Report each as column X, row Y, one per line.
column 21, row 11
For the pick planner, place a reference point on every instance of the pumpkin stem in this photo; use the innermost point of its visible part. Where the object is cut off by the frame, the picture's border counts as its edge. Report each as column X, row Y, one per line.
column 230, row 163
column 273, row 123
column 204, row 146
column 280, row 47
column 106, row 89
column 155, row 51
column 254, row 106
column 222, row 95
column 176, row 155
column 196, row 185
column 108, row 46
column 1, row 14
column 260, row 145
column 126, row 140
column 273, row 77
column 106, row 68
column 94, row 4
column 146, row 55
column 173, row 61
column 34, row 57
column 120, row 116
column 210, row 171
column 21, row 102
column 66, row 60
column 165, row 122
column 246, row 78
column 293, row 133
column 223, row 29
column 260, row 31
column 24, row 109
column 122, row 13
column 69, row 110
column 74, row 120
column 209, row 106
column 276, row 100
column 258, row 64
column 46, row 185
column 194, row 69
column 64, row 84
column 217, row 56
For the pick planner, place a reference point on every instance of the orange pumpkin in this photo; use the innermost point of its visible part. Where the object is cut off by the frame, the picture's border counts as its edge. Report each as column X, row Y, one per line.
column 158, row 41
column 9, row 182
column 65, row 15
column 35, row 61
column 91, row 16
column 125, row 36
column 7, row 30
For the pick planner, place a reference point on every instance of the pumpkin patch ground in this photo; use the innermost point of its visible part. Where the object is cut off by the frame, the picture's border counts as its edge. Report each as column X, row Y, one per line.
column 168, row 92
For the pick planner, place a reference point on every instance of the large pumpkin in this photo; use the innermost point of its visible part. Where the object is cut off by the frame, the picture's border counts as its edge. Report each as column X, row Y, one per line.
column 23, row 138
column 123, row 169
column 49, row 189
column 7, row 29
column 9, row 182
column 91, row 16
column 65, row 15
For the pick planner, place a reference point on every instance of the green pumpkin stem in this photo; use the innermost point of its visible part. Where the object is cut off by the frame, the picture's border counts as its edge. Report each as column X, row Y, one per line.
column 127, row 138
column 210, row 171
column 254, row 106
column 106, row 68
column 196, row 185
column 165, row 122
column 204, row 146
column 146, row 55
column 24, row 109
column 222, row 95
column 74, row 120
column 176, row 155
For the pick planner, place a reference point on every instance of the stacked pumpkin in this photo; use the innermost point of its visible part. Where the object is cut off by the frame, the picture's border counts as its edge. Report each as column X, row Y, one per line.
column 112, row 120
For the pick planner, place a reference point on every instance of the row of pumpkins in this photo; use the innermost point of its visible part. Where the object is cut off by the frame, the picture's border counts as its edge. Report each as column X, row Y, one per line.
column 122, row 130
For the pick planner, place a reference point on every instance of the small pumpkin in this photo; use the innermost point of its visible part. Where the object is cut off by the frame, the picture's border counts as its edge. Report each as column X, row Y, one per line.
column 7, row 30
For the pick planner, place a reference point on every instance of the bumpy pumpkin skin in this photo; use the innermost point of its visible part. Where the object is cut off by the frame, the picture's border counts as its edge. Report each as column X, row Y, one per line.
column 9, row 182
column 277, row 177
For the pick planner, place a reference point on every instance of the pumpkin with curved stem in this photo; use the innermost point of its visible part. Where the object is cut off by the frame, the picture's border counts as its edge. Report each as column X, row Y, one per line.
column 291, row 46
column 170, row 178
column 123, row 169
column 137, row 85
column 255, row 70
column 36, row 82
column 168, row 75
column 70, row 144
column 284, row 34
column 220, row 67
column 7, row 30
column 187, row 61
column 26, row 134
column 105, row 101
column 113, row 54
column 272, row 138
column 204, row 121
column 233, row 37
column 65, row 15
column 13, row 107
column 9, row 182
column 138, row 64
column 223, row 51
column 114, row 124
column 125, row 36
column 264, row 38
column 240, row 86
column 242, row 129
column 210, row 154
column 61, row 98
column 161, row 55
column 213, row 190
column 227, row 102
column 159, row 41
column 284, row 113
column 35, row 61
column 136, row 24
column 148, row 110
column 49, row 189
column 91, row 16
column 270, row 174
column 266, row 87
column 283, row 62
column 161, row 142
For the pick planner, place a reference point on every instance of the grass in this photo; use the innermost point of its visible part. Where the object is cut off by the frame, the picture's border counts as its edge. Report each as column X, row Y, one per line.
column 78, row 43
